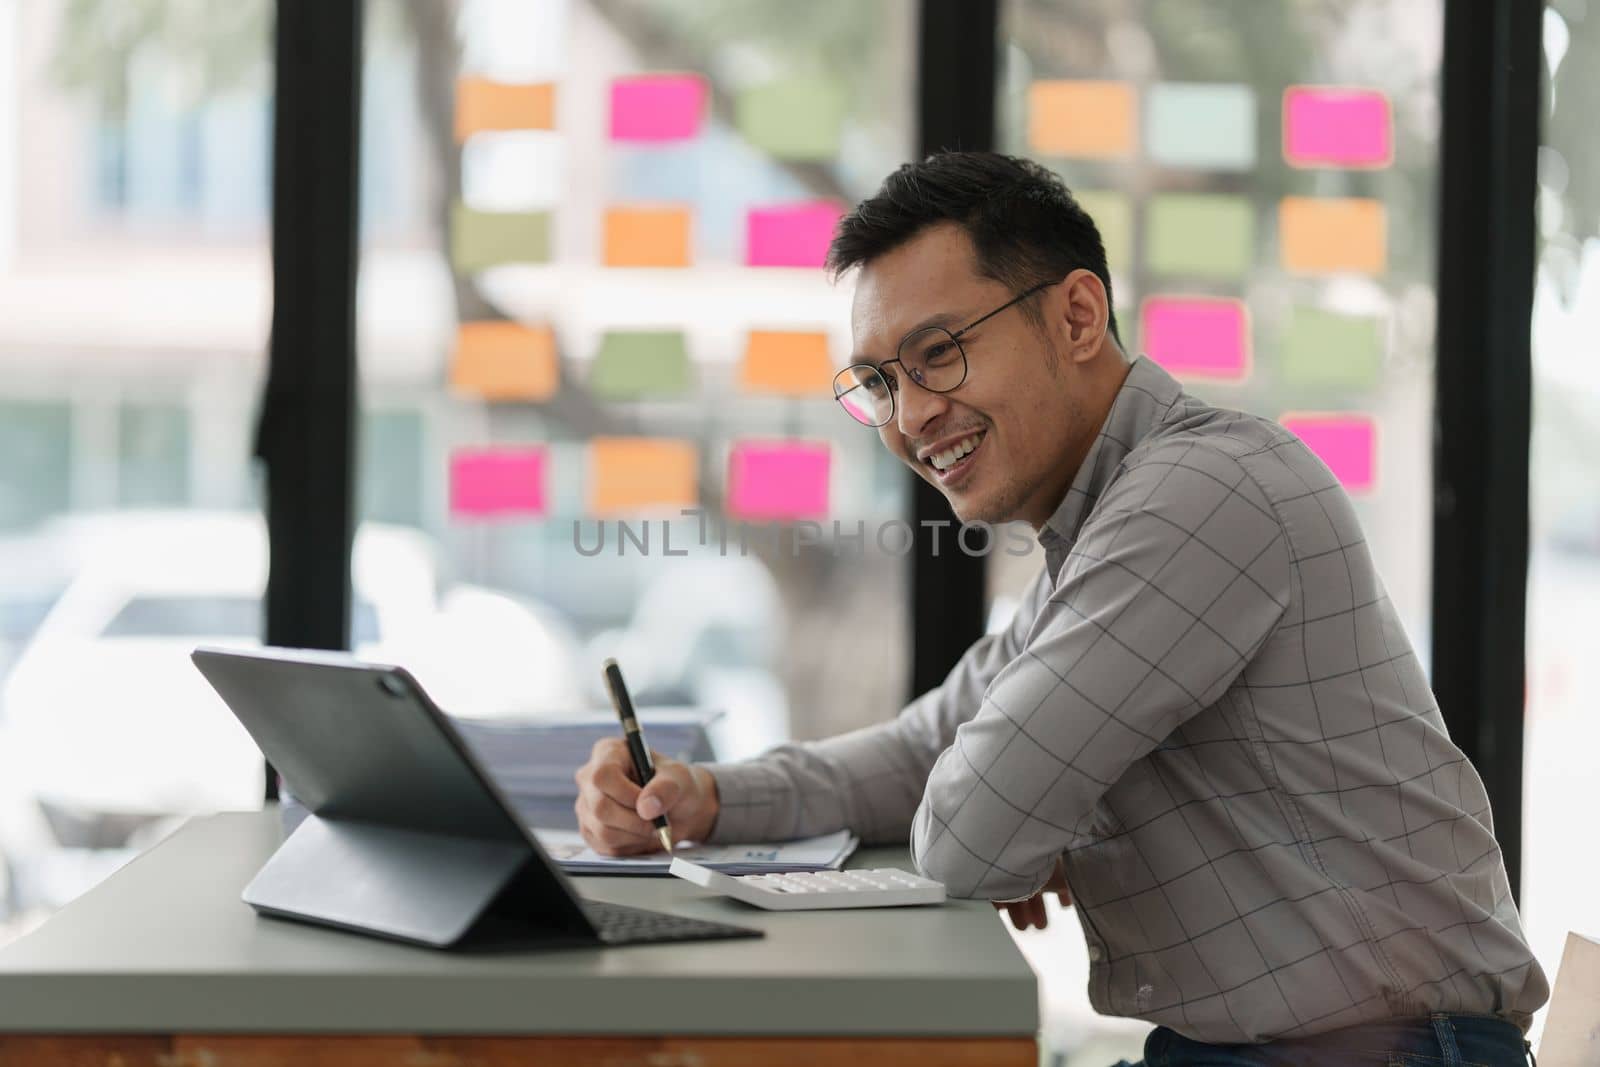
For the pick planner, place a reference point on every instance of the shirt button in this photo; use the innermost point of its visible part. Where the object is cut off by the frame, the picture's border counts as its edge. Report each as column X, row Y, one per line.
column 1096, row 953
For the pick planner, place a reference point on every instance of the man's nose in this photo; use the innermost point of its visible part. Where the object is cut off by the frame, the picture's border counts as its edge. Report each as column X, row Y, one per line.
column 916, row 407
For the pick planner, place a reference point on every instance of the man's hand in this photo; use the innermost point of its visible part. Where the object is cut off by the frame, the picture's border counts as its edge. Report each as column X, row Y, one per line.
column 614, row 814
column 1030, row 912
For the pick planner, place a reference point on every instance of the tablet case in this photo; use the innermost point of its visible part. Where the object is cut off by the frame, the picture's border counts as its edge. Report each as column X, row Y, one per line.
column 428, row 864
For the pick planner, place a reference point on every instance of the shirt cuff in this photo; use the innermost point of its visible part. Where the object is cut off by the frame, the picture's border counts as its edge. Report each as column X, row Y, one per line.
column 746, row 802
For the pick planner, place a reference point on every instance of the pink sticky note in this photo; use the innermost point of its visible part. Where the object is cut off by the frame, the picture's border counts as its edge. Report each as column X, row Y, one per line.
column 1346, row 443
column 657, row 107
column 1325, row 127
column 1196, row 337
column 497, row 481
column 790, row 235
column 778, row 480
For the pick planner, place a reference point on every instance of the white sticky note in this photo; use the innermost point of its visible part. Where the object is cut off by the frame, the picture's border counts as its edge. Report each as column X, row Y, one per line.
column 1211, row 127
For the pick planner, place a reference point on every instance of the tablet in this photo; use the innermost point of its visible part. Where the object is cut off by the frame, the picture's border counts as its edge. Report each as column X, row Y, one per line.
column 407, row 837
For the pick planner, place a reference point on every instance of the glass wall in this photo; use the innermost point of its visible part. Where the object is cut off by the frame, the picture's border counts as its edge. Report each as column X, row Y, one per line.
column 596, row 350
column 1264, row 176
column 1559, row 871
column 134, row 303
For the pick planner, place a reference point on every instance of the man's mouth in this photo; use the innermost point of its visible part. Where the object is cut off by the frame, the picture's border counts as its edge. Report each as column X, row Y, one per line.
column 950, row 463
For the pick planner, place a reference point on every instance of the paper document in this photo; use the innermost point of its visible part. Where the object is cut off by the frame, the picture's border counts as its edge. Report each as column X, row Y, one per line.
column 825, row 853
column 532, row 760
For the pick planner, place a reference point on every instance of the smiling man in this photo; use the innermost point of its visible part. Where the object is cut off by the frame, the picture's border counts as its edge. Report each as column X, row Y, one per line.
column 1205, row 721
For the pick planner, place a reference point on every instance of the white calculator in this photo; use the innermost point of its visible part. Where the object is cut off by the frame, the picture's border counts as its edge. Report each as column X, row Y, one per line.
column 883, row 888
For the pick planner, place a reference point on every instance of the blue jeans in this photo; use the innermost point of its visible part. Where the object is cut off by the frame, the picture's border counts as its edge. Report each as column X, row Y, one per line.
column 1434, row 1041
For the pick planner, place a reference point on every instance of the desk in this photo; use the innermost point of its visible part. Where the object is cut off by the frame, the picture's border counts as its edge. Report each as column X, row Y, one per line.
column 162, row 964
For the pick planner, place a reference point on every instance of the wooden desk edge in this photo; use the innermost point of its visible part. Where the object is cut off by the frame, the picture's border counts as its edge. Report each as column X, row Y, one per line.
column 354, row 1050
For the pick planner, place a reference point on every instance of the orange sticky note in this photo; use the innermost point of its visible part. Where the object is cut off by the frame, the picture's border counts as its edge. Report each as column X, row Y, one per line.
column 656, row 236
column 628, row 475
column 505, row 361
column 1326, row 235
column 484, row 105
column 1082, row 119
column 794, row 363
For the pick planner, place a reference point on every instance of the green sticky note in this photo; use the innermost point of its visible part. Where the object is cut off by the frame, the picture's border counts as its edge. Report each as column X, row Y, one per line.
column 1112, row 213
column 641, row 363
column 793, row 118
column 1200, row 235
column 480, row 239
column 1327, row 348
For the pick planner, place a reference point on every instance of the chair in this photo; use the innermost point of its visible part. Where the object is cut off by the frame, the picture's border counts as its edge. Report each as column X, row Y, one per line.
column 1572, row 1027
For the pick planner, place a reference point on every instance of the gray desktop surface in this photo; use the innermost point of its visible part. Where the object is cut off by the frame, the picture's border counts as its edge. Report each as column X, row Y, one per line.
column 166, row 946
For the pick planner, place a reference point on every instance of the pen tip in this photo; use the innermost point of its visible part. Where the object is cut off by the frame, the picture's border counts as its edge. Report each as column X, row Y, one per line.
column 610, row 662
column 666, row 839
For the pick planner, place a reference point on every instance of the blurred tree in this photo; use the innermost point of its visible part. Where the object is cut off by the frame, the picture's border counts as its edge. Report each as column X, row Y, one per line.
column 1574, row 152
column 213, row 47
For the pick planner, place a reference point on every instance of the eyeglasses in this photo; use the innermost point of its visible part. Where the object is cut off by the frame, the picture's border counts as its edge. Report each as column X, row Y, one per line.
column 932, row 357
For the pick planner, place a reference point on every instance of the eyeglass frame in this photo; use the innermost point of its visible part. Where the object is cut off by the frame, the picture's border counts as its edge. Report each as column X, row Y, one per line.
column 892, row 384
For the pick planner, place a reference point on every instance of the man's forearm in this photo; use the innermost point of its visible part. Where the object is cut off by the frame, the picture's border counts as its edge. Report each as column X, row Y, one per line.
column 868, row 781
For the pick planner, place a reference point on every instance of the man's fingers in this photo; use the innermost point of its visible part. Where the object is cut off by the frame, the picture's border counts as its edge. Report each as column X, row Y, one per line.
column 604, row 811
column 612, row 781
column 611, row 829
column 609, row 750
column 609, row 757
column 1026, row 914
column 608, row 842
column 660, row 795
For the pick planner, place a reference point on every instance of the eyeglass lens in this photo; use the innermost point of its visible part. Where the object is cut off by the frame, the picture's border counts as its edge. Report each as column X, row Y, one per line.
column 932, row 358
column 863, row 392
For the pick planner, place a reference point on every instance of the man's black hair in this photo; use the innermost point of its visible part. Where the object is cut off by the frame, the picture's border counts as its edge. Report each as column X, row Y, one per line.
column 1022, row 220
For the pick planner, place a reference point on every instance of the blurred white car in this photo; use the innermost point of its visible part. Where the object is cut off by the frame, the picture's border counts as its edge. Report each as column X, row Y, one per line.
column 490, row 654
column 107, row 730
column 105, row 718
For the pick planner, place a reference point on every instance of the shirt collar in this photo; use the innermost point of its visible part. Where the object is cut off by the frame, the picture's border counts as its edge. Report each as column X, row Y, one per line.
column 1147, row 394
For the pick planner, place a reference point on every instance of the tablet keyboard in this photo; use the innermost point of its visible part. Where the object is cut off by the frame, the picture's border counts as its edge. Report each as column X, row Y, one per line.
column 882, row 888
column 621, row 925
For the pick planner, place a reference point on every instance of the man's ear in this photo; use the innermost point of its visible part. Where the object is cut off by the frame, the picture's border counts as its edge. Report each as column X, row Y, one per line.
column 1086, row 313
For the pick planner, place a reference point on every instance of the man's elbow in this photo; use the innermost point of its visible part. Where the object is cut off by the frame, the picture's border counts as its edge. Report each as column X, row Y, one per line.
column 959, row 879
column 943, row 859
column 965, row 878
column 936, row 854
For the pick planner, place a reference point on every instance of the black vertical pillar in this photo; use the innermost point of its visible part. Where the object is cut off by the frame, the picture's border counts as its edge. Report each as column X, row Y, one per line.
column 1486, row 262
column 305, row 438
column 957, row 64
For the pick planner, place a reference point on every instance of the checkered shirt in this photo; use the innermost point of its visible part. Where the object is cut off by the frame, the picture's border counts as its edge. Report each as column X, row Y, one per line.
column 1207, row 707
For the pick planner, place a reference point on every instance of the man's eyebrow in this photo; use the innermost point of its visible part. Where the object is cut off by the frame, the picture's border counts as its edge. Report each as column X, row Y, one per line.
column 943, row 318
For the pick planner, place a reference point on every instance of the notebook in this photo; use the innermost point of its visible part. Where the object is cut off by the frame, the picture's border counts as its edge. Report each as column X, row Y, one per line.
column 825, row 853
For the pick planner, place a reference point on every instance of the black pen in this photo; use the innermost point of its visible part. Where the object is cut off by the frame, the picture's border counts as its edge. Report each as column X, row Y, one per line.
column 636, row 746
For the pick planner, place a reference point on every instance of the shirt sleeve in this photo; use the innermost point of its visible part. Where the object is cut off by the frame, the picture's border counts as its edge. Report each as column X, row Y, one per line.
column 869, row 780
column 1176, row 579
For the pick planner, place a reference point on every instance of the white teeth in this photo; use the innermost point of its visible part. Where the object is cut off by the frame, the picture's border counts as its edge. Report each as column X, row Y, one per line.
column 947, row 459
